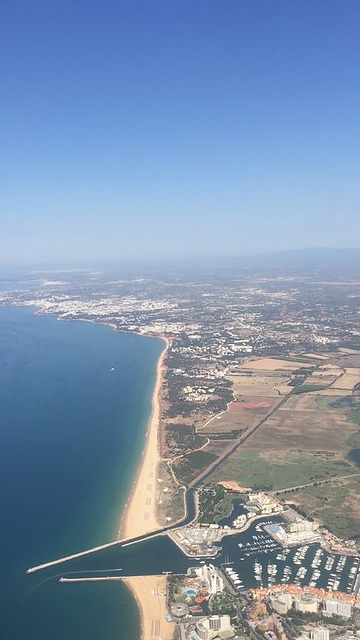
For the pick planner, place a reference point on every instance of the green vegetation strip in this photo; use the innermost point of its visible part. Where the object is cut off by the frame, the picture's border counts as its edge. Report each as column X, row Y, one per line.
column 215, row 503
column 335, row 504
column 305, row 388
column 190, row 466
column 279, row 469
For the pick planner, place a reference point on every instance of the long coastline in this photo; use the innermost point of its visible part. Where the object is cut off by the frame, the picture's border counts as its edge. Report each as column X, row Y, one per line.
column 140, row 514
column 69, row 347
column 140, row 517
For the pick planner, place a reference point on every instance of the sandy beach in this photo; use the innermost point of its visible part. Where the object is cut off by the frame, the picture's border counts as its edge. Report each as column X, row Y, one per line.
column 150, row 594
column 140, row 514
column 140, row 518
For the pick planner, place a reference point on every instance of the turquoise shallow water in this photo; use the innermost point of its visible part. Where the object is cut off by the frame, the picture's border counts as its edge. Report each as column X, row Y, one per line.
column 71, row 434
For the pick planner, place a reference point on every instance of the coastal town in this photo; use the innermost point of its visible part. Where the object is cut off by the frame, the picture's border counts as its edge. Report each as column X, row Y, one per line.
column 256, row 410
column 302, row 589
column 206, row 606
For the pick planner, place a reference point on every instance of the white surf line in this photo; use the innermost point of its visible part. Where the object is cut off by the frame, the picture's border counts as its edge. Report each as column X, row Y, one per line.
column 73, row 556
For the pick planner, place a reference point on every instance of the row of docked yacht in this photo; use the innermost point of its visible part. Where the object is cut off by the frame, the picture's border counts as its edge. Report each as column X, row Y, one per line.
column 258, row 571
column 270, row 573
column 300, row 574
column 286, row 574
column 335, row 578
column 329, row 563
column 340, row 564
column 316, row 562
column 353, row 574
column 272, row 569
column 260, row 525
column 258, row 544
column 315, row 577
column 234, row 579
column 300, row 554
column 333, row 583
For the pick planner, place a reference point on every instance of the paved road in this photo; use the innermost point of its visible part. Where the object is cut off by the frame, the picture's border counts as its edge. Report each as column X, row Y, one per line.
column 317, row 482
column 209, row 470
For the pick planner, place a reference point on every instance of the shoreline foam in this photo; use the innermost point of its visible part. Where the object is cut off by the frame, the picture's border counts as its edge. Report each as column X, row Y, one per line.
column 140, row 511
column 133, row 522
column 140, row 518
column 150, row 595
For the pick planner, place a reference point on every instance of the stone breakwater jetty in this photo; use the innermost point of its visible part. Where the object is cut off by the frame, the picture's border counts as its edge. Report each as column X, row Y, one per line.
column 93, row 579
column 52, row 563
column 123, row 543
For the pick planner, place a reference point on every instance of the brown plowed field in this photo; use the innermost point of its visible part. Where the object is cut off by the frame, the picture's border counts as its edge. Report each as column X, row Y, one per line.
column 238, row 407
column 241, row 415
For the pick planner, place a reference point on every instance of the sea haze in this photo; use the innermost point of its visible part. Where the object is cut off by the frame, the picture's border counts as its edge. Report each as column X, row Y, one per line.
column 75, row 400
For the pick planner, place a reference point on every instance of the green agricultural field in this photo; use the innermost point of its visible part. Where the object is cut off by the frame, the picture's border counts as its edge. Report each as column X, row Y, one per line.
column 280, row 469
column 305, row 388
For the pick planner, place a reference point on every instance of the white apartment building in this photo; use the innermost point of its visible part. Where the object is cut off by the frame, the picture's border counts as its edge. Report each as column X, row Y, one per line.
column 212, row 578
column 319, row 633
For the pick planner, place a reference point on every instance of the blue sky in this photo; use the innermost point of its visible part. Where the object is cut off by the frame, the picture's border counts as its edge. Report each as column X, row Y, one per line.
column 148, row 128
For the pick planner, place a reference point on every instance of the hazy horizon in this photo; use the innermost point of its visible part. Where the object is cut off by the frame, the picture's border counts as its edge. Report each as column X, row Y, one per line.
column 140, row 130
column 311, row 256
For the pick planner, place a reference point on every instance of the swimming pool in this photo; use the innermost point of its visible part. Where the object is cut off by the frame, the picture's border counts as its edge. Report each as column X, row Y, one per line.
column 191, row 592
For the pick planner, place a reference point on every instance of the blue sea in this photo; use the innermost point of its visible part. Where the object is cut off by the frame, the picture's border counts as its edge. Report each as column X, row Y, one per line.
column 75, row 400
